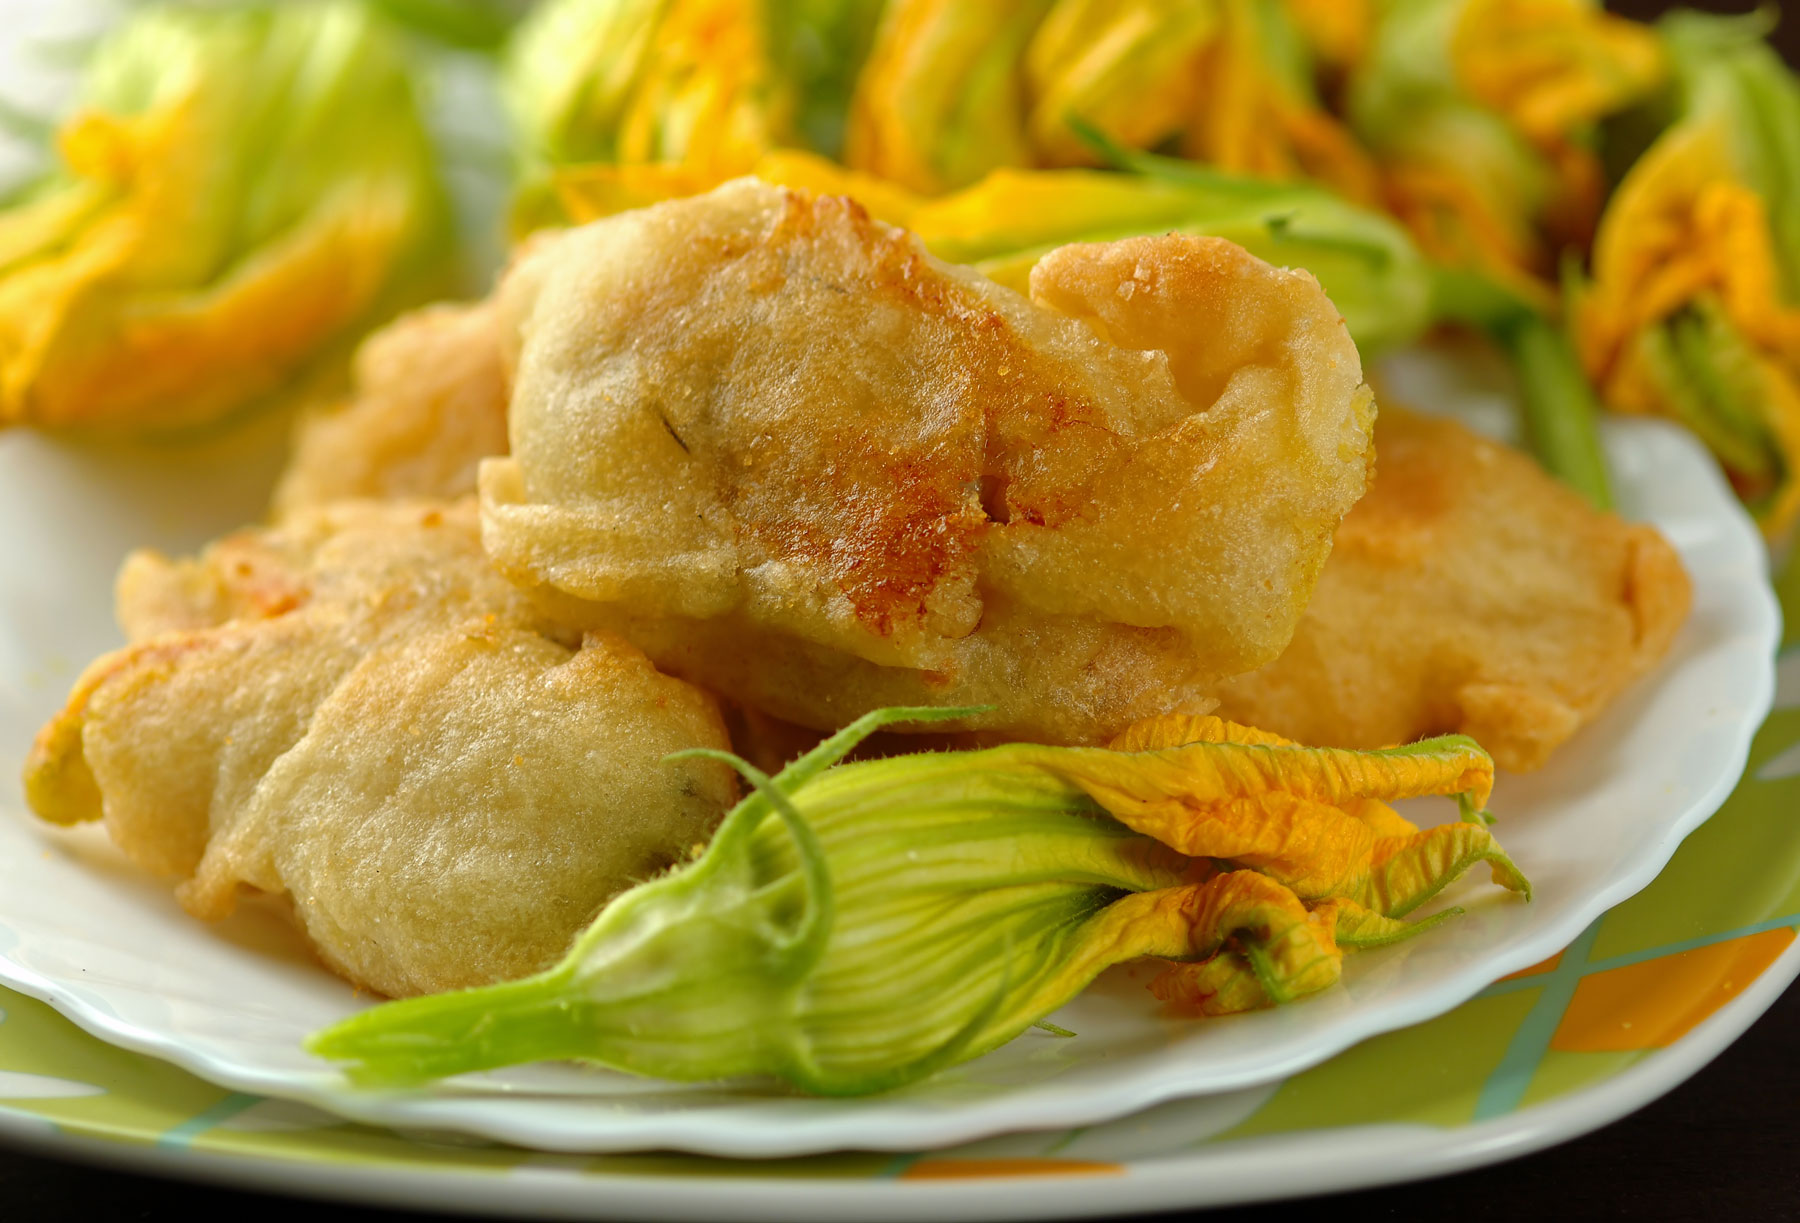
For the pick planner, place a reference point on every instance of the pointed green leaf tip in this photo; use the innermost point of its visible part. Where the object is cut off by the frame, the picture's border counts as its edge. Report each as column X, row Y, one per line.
column 855, row 927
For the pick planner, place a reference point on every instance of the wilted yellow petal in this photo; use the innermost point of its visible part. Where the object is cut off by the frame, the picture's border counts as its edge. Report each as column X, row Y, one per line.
column 1481, row 114
column 1224, row 985
column 1175, row 729
column 1461, row 220
column 688, row 81
column 1406, row 871
column 1263, row 947
column 1230, row 982
column 1301, row 815
column 1359, row 928
column 1203, row 774
column 1179, row 729
column 1681, row 224
column 1257, row 945
column 1246, row 920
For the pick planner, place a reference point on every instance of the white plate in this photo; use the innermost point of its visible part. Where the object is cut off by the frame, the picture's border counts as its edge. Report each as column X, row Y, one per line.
column 111, row 950
column 1168, row 1163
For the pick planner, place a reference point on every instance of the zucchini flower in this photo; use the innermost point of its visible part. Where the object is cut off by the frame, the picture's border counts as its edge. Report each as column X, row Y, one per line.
column 1230, row 82
column 1131, row 69
column 685, row 81
column 237, row 188
column 1693, row 306
column 1482, row 115
column 940, row 100
column 1258, row 112
column 1005, row 223
column 705, row 85
column 855, row 927
column 953, row 91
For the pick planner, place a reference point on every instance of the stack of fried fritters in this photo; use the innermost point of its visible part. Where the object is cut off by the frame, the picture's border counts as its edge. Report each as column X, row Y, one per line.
column 802, row 464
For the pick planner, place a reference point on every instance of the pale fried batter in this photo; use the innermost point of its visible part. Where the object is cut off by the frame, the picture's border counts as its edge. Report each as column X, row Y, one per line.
column 427, row 404
column 1468, row 592
column 802, row 462
column 354, row 710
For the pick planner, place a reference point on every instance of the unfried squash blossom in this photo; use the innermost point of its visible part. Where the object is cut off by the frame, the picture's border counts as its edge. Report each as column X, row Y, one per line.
column 1692, row 305
column 954, row 90
column 237, row 187
column 1482, row 115
column 707, row 86
column 854, row 927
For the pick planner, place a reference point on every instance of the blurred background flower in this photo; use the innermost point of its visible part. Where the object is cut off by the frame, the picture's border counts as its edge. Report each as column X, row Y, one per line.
column 235, row 188
column 1691, row 305
column 247, row 186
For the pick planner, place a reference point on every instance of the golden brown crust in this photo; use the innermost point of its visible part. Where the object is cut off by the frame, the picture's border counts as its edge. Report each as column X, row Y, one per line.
column 445, row 784
column 1468, row 592
column 428, row 403
column 799, row 460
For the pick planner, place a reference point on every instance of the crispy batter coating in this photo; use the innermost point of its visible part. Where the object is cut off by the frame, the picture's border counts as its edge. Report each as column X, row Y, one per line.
column 1468, row 592
column 427, row 404
column 355, row 711
column 802, row 462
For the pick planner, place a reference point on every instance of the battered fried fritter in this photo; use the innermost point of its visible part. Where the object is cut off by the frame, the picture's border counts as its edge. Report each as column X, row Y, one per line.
column 1468, row 592
column 357, row 712
column 428, row 403
column 804, row 463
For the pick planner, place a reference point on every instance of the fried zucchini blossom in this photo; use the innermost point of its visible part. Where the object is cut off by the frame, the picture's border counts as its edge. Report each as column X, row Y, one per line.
column 855, row 927
column 1692, row 305
column 1482, row 116
column 236, row 188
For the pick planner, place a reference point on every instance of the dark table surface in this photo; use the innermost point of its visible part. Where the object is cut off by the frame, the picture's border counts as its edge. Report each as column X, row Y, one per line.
column 1724, row 1145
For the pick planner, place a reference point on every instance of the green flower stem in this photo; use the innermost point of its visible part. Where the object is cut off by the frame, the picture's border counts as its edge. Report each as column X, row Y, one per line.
column 1560, row 407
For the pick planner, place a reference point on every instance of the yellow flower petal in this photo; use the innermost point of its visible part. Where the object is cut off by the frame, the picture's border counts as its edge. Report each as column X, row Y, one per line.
column 1688, row 246
column 1133, row 69
column 1248, row 119
column 707, row 96
column 589, row 192
column 1308, row 817
column 1553, row 67
column 1246, row 921
column 939, row 102
column 1407, row 870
